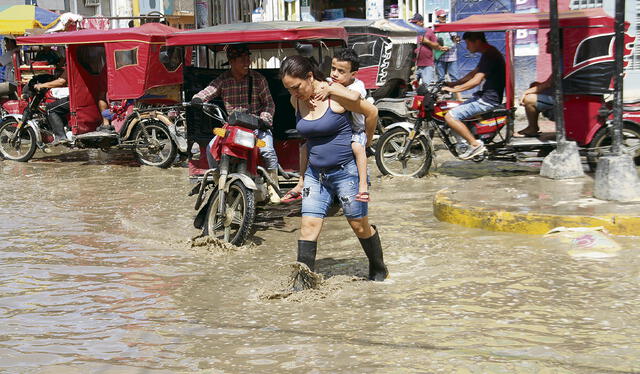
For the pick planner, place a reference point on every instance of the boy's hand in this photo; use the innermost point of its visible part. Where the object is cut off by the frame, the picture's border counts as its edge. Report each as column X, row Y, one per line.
column 323, row 92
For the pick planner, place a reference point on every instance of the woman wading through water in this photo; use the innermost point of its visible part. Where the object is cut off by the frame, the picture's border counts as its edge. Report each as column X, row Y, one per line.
column 327, row 162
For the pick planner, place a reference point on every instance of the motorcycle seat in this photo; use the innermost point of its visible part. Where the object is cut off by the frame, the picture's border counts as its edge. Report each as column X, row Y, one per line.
column 498, row 111
column 391, row 100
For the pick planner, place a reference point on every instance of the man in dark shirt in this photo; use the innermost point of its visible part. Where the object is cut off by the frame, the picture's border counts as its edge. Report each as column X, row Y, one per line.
column 491, row 70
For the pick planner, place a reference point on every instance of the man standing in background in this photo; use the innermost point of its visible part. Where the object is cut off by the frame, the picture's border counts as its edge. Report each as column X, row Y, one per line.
column 446, row 62
column 427, row 43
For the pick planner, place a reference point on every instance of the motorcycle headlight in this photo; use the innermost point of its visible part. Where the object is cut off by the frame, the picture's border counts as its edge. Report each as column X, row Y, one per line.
column 244, row 138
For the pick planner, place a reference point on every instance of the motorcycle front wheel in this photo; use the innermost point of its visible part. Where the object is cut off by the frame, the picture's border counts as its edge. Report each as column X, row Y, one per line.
column 153, row 144
column 389, row 148
column 601, row 143
column 240, row 212
column 22, row 147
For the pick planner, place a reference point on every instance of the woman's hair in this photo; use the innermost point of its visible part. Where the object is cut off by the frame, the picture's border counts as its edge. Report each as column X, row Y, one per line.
column 299, row 67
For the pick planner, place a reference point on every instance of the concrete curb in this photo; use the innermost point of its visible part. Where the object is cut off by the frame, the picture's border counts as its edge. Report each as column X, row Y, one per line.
column 446, row 209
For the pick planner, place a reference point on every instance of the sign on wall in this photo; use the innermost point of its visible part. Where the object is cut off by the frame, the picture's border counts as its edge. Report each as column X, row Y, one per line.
column 526, row 41
column 375, row 9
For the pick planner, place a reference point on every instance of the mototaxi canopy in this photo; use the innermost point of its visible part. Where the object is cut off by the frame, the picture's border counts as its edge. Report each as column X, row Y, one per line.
column 594, row 17
column 258, row 32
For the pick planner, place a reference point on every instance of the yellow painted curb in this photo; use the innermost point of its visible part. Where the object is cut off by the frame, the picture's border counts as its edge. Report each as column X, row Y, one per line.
column 447, row 210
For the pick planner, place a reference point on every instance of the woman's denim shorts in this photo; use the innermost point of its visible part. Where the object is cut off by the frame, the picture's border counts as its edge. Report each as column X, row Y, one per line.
column 321, row 186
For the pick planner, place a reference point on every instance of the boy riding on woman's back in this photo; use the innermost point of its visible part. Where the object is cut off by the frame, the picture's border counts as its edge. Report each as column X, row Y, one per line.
column 344, row 84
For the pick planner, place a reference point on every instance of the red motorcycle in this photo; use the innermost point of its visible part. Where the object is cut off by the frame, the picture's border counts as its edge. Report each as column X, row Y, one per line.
column 228, row 193
column 405, row 149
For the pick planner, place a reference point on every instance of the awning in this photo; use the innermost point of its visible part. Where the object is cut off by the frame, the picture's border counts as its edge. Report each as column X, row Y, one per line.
column 513, row 21
column 16, row 19
column 258, row 32
column 147, row 33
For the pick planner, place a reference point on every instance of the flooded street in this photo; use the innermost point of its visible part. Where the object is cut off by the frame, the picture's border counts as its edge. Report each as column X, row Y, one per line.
column 97, row 275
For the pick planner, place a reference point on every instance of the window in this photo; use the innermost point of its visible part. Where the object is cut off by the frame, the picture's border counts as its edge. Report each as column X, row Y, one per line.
column 171, row 57
column 594, row 48
column 584, row 4
column 91, row 58
column 126, row 57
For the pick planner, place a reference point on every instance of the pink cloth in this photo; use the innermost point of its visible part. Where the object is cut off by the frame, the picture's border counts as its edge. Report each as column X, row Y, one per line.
column 95, row 23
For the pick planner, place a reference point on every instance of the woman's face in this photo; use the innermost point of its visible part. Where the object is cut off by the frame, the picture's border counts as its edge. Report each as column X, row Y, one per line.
column 299, row 88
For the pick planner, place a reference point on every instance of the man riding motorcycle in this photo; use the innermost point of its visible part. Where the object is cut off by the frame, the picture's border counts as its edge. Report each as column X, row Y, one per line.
column 243, row 89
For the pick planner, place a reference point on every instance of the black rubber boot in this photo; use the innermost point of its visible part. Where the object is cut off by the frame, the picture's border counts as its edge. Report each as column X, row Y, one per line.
column 373, row 249
column 307, row 253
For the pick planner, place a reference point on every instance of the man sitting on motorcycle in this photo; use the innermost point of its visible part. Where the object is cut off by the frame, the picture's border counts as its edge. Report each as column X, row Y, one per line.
column 243, row 89
column 491, row 71
column 58, row 110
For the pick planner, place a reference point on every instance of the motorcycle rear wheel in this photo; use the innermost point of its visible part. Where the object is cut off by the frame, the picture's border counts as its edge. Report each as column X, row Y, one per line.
column 24, row 146
column 240, row 207
column 602, row 142
column 156, row 149
column 418, row 162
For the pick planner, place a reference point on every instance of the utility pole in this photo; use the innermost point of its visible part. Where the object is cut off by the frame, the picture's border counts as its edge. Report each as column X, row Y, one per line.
column 564, row 161
column 616, row 174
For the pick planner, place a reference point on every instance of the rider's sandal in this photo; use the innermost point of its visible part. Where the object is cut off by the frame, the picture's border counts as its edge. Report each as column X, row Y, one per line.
column 290, row 197
column 362, row 197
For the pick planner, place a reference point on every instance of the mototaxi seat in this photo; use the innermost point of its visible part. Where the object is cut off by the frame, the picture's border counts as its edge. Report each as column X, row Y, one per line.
column 498, row 111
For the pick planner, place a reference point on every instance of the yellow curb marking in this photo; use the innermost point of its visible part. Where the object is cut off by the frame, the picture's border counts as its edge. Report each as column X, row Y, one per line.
column 444, row 209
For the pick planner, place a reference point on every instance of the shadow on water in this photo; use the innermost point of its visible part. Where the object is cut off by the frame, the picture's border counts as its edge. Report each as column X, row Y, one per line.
column 473, row 170
column 90, row 157
column 352, row 266
column 117, row 157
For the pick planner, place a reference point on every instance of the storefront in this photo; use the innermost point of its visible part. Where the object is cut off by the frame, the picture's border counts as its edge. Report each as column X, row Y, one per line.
column 369, row 9
column 214, row 12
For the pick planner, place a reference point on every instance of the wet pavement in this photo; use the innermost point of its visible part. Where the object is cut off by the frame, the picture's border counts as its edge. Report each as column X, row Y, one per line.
column 97, row 275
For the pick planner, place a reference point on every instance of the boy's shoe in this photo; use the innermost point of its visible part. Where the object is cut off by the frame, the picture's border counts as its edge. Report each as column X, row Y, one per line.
column 473, row 151
column 106, row 128
column 58, row 140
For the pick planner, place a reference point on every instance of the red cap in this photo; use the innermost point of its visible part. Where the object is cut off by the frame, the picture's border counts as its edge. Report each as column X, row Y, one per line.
column 441, row 12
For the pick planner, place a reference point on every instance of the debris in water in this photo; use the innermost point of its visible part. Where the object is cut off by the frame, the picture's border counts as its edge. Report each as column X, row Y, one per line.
column 296, row 283
column 587, row 242
column 298, row 278
column 213, row 245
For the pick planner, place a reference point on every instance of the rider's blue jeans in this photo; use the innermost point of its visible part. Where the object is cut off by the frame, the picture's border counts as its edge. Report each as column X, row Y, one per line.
column 267, row 152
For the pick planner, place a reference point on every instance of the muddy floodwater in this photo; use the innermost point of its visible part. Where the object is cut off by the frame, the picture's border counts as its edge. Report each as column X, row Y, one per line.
column 97, row 275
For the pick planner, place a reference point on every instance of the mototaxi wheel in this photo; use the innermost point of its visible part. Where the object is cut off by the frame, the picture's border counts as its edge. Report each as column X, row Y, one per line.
column 153, row 144
column 416, row 164
column 23, row 147
column 240, row 207
column 601, row 143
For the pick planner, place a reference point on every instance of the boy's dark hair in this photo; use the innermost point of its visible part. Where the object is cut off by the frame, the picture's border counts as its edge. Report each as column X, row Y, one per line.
column 348, row 55
column 474, row 36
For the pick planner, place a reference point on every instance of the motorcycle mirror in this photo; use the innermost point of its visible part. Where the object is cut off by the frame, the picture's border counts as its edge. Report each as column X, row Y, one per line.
column 304, row 50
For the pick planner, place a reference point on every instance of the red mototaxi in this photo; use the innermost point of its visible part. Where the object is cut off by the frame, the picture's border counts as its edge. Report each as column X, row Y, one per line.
column 270, row 43
column 124, row 63
column 588, row 59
